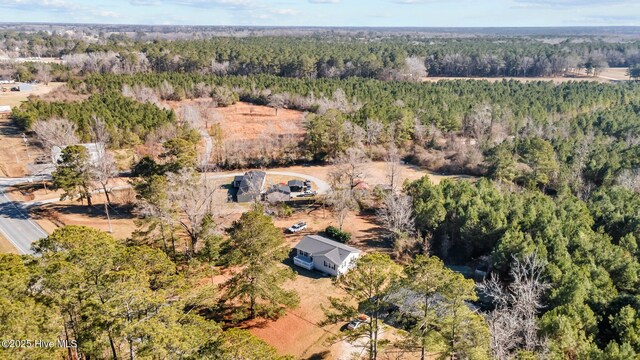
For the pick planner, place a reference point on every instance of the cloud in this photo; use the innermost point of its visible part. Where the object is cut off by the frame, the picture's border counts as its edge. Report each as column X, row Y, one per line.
column 232, row 4
column 412, row 2
column 324, row 1
column 107, row 14
column 571, row 3
column 143, row 2
column 208, row 4
column 285, row 11
column 51, row 5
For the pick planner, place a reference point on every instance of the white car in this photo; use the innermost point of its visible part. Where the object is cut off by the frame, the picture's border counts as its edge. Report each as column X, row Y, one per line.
column 357, row 322
column 297, row 227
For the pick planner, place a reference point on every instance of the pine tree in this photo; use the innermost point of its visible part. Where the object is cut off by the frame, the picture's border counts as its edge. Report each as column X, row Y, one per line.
column 73, row 174
column 257, row 250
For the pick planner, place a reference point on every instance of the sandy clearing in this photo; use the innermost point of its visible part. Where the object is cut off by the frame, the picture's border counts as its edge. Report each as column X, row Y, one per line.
column 608, row 75
column 374, row 173
column 6, row 247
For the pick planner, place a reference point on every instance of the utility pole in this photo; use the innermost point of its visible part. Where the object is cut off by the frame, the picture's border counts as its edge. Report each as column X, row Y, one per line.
column 26, row 144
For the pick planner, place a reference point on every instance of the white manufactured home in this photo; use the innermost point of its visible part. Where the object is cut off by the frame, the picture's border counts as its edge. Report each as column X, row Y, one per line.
column 315, row 252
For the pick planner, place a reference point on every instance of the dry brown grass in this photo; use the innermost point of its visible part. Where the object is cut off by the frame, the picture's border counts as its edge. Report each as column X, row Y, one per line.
column 69, row 212
column 15, row 98
column 608, row 75
column 6, row 247
column 13, row 154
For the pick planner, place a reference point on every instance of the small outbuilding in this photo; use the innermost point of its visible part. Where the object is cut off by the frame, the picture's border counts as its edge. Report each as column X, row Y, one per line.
column 5, row 109
column 278, row 194
column 296, row 185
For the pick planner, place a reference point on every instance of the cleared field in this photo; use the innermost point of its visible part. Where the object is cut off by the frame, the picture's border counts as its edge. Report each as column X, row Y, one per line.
column 243, row 121
column 13, row 152
column 609, row 75
column 15, row 98
column 374, row 173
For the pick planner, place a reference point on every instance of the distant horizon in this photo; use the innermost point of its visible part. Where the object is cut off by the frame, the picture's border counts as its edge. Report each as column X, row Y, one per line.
column 330, row 13
column 275, row 26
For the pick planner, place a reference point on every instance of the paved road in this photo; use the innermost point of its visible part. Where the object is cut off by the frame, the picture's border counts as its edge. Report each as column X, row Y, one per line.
column 15, row 224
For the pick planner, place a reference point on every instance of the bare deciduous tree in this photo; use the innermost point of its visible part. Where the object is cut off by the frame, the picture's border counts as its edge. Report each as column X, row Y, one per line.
column 194, row 201
column 373, row 131
column 342, row 201
column 397, row 215
column 103, row 169
column 630, row 179
column 513, row 322
column 219, row 69
column 477, row 124
column 415, row 68
column 55, row 132
column 277, row 101
column 191, row 116
column 349, row 166
column 44, row 73
column 392, row 167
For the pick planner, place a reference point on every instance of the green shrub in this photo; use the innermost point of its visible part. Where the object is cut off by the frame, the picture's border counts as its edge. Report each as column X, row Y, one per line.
column 337, row 234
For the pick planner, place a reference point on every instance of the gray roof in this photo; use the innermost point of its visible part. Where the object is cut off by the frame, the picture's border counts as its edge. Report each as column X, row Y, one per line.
column 279, row 188
column 238, row 178
column 252, row 183
column 298, row 183
column 276, row 196
column 321, row 246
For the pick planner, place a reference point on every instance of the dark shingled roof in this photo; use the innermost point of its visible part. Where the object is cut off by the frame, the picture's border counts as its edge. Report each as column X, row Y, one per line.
column 297, row 183
column 251, row 184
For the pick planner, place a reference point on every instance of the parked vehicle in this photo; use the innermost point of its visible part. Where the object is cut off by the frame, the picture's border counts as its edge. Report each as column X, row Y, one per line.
column 297, row 227
column 357, row 322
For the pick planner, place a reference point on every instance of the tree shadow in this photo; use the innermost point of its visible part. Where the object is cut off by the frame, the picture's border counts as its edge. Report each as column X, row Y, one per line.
column 320, row 355
column 231, row 192
column 257, row 114
column 312, row 274
column 9, row 128
column 116, row 212
column 13, row 210
column 377, row 236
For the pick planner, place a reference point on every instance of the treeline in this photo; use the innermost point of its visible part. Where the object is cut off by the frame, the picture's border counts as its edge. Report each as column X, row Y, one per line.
column 128, row 121
column 377, row 58
column 332, row 56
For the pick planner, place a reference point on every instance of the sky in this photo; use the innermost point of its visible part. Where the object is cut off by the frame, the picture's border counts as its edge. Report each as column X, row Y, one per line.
column 374, row 13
